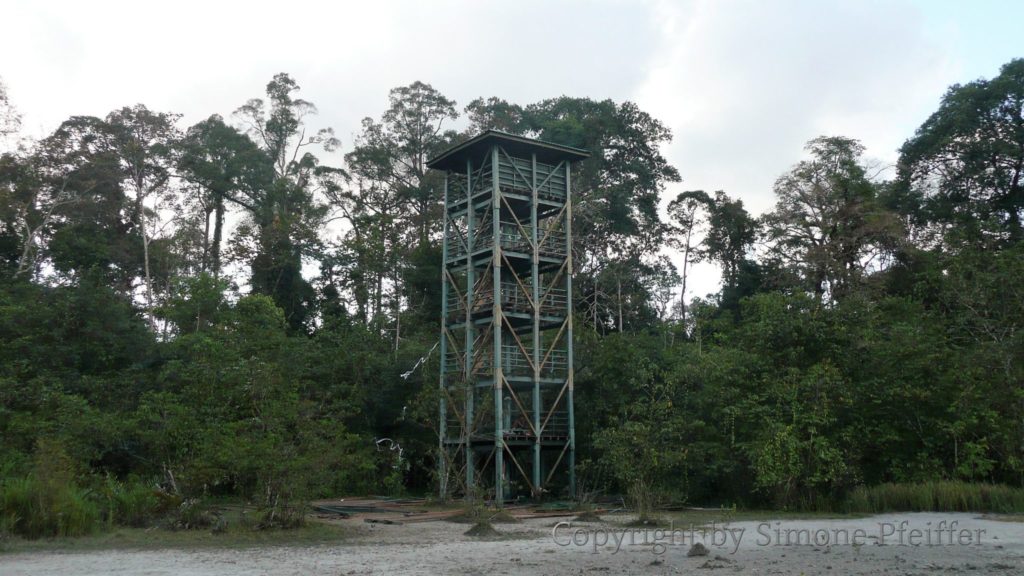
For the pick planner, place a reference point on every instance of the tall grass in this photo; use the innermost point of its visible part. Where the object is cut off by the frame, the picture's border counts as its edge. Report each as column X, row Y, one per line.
column 128, row 503
column 50, row 500
column 35, row 509
column 941, row 496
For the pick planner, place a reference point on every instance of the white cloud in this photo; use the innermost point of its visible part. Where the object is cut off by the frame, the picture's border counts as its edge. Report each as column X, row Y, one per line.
column 199, row 58
column 743, row 84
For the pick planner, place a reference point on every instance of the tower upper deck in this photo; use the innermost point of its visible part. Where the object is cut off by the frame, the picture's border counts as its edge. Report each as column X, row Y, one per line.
column 476, row 150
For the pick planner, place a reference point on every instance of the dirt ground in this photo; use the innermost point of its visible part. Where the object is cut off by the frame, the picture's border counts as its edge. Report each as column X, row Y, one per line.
column 979, row 546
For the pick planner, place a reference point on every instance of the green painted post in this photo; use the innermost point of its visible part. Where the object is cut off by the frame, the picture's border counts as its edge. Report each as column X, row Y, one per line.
column 499, row 440
column 468, row 382
column 569, row 348
column 442, row 470
column 535, row 282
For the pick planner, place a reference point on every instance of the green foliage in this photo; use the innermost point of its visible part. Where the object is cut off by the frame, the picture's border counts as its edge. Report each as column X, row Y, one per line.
column 643, row 452
column 37, row 509
column 945, row 496
column 10, row 119
column 47, row 502
column 866, row 348
column 243, row 415
column 795, row 403
column 226, row 167
column 960, row 174
column 131, row 503
column 828, row 226
column 283, row 213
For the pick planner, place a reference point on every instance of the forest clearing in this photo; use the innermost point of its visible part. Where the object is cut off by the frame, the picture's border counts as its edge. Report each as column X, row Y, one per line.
column 528, row 547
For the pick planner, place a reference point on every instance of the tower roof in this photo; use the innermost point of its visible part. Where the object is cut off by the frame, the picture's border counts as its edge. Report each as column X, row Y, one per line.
column 454, row 158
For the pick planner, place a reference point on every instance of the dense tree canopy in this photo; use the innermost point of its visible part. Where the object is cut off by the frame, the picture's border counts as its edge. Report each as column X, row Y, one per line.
column 227, row 309
column 963, row 168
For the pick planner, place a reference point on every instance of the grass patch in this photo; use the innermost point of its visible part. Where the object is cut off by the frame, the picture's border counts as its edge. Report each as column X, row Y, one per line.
column 476, row 515
column 42, row 508
column 945, row 496
column 234, row 536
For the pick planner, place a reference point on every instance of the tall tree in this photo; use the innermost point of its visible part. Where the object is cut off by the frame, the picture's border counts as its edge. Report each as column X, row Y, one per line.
column 394, row 207
column 688, row 212
column 66, row 199
column 495, row 114
column 369, row 253
column 731, row 234
column 394, row 151
column 144, row 143
column 227, row 167
column 285, row 216
column 966, row 162
column 828, row 225
column 281, row 130
column 618, row 189
column 730, row 239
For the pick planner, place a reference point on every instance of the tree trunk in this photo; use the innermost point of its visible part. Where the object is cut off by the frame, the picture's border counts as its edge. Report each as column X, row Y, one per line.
column 218, row 232
column 204, row 262
column 682, row 294
column 141, row 209
column 618, row 284
column 377, row 298
column 397, row 311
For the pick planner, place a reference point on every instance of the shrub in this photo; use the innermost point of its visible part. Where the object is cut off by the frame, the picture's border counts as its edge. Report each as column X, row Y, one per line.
column 193, row 514
column 128, row 503
column 287, row 516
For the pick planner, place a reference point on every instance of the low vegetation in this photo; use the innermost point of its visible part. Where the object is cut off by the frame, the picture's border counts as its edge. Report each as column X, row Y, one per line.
column 236, row 535
column 946, row 496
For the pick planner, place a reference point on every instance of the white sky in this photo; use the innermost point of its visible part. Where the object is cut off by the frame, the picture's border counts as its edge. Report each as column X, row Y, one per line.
column 742, row 84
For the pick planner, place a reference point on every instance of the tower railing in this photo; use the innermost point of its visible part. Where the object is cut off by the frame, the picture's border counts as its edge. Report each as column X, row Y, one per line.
column 512, row 178
column 517, row 425
column 453, row 366
column 554, row 304
column 516, row 238
column 550, row 186
column 515, row 364
column 513, row 299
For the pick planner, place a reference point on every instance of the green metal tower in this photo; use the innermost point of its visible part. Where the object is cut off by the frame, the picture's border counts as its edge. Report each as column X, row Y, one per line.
column 506, row 414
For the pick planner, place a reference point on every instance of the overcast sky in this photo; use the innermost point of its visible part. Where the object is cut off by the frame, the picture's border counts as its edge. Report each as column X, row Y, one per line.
column 743, row 85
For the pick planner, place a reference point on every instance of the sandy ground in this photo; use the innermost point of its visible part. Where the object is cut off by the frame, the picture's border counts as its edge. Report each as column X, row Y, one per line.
column 529, row 547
